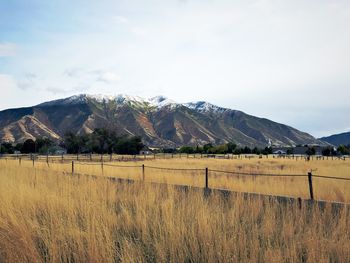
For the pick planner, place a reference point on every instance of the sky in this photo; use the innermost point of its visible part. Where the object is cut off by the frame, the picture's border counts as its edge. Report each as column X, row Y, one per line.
column 288, row 61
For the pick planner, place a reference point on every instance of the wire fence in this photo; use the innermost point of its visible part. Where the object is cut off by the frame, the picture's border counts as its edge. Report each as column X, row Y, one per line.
column 205, row 172
column 147, row 157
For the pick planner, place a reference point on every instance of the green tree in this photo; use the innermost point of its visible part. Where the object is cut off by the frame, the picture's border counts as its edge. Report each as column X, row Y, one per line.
column 342, row 149
column 43, row 145
column 6, row 147
column 29, row 146
column 231, row 147
column 311, row 151
column 186, row 149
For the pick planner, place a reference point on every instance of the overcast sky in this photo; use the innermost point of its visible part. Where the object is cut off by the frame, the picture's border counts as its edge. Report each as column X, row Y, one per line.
column 288, row 61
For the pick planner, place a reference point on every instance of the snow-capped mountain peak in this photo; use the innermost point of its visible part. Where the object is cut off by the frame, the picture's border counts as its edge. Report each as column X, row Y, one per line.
column 76, row 99
column 203, row 106
column 160, row 101
column 156, row 102
column 122, row 98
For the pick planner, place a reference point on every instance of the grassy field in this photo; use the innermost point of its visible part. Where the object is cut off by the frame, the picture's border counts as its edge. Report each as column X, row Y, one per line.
column 46, row 216
column 324, row 189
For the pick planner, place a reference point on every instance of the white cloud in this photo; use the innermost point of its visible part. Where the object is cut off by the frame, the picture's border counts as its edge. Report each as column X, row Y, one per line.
column 56, row 90
column 7, row 82
column 28, row 81
column 108, row 77
column 73, row 72
column 8, row 49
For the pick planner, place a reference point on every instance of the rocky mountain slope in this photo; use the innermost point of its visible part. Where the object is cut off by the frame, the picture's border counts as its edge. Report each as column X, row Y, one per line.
column 337, row 139
column 159, row 121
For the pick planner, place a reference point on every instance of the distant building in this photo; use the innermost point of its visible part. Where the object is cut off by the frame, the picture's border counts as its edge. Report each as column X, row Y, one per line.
column 298, row 150
column 145, row 151
column 281, row 152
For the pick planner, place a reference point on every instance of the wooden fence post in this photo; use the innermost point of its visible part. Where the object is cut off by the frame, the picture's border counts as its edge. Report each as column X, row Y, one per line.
column 72, row 167
column 310, row 186
column 33, row 161
column 206, row 178
column 143, row 172
column 19, row 160
column 102, row 166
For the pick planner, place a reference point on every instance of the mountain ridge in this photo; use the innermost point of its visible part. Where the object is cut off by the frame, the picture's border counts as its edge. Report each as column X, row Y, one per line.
column 160, row 121
column 337, row 139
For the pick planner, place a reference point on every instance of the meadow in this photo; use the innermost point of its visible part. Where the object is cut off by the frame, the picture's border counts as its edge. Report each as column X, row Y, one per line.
column 48, row 215
column 191, row 172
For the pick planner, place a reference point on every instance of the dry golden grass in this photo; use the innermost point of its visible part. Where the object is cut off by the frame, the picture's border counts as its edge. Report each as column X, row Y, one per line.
column 324, row 189
column 49, row 217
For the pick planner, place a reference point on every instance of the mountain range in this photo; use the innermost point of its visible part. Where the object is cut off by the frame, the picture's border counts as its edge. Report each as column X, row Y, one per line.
column 160, row 122
column 338, row 139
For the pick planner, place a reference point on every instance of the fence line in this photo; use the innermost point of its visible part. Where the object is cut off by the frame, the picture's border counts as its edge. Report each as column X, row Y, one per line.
column 257, row 174
column 140, row 157
column 206, row 171
column 331, row 177
column 174, row 169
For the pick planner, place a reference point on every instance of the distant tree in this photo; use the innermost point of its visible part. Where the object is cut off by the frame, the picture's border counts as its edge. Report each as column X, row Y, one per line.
column 72, row 143
column 206, row 147
column 311, row 151
column 329, row 151
column 218, row 149
column 290, row 151
column 18, row 147
column 186, row 149
column 343, row 150
column 29, row 146
column 246, row 150
column 237, row 151
column 169, row 150
column 231, row 147
column 128, row 145
column 256, row 150
column 6, row 147
column 43, row 145
column 102, row 141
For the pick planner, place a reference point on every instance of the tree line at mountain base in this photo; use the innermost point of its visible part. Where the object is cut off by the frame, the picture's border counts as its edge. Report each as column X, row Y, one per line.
column 104, row 141
column 100, row 141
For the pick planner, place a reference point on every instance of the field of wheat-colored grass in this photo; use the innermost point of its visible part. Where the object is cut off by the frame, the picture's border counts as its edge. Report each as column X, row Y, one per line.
column 324, row 189
column 46, row 216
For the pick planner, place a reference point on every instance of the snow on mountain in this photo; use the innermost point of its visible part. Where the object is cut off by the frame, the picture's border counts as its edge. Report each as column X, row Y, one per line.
column 203, row 106
column 157, row 102
column 161, row 101
column 76, row 99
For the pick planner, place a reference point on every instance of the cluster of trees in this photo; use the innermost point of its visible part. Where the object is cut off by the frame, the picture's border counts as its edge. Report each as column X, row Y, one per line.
column 106, row 141
column 102, row 141
column 330, row 151
column 344, row 149
column 224, row 149
column 40, row 145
